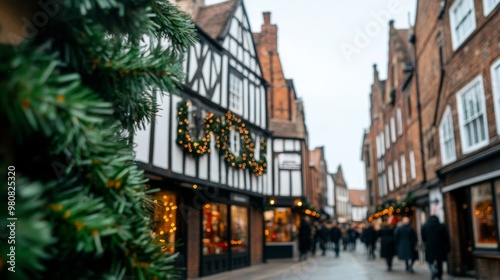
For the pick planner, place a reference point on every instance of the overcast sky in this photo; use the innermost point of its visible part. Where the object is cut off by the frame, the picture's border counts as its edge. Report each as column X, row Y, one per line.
column 328, row 48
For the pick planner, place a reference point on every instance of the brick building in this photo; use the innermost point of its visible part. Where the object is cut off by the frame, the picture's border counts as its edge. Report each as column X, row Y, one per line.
column 359, row 206
column 450, row 94
column 293, row 178
column 392, row 148
column 458, row 68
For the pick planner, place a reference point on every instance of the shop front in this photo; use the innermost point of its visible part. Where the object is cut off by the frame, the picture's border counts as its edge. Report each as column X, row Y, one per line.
column 472, row 206
column 225, row 236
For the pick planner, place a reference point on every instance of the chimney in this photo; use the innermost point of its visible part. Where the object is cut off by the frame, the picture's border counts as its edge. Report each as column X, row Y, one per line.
column 391, row 24
column 375, row 73
column 267, row 18
column 190, row 7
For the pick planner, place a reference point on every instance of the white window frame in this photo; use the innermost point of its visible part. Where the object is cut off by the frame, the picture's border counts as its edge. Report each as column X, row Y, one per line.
column 383, row 143
column 235, row 92
column 413, row 170
column 403, row 169
column 399, row 121
column 447, row 137
column 393, row 130
column 476, row 81
column 495, row 85
column 396, row 173
column 487, row 9
column 456, row 42
column 390, row 178
column 387, row 139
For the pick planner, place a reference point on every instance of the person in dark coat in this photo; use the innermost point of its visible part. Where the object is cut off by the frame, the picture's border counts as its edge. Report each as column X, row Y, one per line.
column 387, row 245
column 335, row 236
column 322, row 237
column 314, row 235
column 371, row 240
column 352, row 236
column 406, row 240
column 304, row 238
column 437, row 245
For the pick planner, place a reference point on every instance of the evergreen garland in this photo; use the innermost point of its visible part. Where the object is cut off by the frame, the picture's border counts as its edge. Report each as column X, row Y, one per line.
column 213, row 125
column 72, row 97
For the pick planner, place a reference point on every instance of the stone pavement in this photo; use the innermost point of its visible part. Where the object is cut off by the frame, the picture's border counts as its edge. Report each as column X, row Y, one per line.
column 350, row 265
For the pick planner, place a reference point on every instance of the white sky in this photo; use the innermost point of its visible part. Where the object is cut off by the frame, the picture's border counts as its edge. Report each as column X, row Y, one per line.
column 322, row 50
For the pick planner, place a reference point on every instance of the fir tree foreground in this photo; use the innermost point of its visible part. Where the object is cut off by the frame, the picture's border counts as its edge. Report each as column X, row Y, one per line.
column 72, row 94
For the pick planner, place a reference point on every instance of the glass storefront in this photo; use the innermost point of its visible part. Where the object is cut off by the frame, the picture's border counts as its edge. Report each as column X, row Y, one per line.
column 164, row 219
column 239, row 229
column 483, row 216
column 214, row 228
column 281, row 226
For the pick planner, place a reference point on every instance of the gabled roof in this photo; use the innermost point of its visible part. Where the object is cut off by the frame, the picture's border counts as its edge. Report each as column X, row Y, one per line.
column 215, row 18
column 338, row 177
column 357, row 198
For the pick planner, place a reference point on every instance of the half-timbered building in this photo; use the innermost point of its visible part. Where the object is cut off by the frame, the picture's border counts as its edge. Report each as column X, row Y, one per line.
column 206, row 150
column 290, row 154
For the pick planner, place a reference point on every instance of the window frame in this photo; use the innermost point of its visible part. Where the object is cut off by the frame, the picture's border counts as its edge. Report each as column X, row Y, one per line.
column 453, row 23
column 387, row 136
column 487, row 9
column 413, row 169
column 393, row 130
column 396, row 173
column 402, row 159
column 447, row 117
column 399, row 122
column 465, row 89
column 390, row 178
column 495, row 87
column 235, row 75
column 475, row 239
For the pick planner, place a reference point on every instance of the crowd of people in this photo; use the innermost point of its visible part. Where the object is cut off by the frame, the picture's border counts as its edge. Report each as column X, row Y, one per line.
column 396, row 239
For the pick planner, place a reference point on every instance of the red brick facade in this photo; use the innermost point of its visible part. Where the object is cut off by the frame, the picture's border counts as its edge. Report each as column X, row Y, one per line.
column 437, row 70
column 193, row 243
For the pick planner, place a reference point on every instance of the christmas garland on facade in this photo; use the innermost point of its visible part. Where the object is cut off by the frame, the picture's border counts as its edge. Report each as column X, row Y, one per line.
column 214, row 125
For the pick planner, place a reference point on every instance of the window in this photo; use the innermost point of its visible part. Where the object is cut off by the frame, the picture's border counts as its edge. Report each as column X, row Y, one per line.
column 239, row 229
column 462, row 21
column 389, row 178
column 214, row 229
column 393, row 130
column 413, row 171
column 399, row 121
column 472, row 116
column 483, row 217
column 235, row 93
column 280, row 225
column 396, row 174
column 382, row 151
column 447, row 138
column 495, row 84
column 489, row 6
column 164, row 219
column 387, row 140
column 377, row 146
column 403, row 169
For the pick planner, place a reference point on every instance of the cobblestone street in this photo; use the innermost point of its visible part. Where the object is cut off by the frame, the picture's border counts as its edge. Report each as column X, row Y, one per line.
column 350, row 265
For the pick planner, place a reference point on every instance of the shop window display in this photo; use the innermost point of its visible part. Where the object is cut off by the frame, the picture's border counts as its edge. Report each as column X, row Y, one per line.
column 239, row 229
column 483, row 216
column 165, row 225
column 280, row 225
column 214, row 229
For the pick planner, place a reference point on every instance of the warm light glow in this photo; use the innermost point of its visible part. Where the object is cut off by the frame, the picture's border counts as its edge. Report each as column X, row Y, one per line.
column 299, row 203
column 266, row 232
column 195, row 186
column 271, row 202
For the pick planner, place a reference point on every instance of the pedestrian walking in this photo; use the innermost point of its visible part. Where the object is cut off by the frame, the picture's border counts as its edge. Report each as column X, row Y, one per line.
column 345, row 236
column 406, row 241
column 304, row 238
column 371, row 240
column 335, row 236
column 437, row 245
column 387, row 245
column 322, row 237
column 362, row 237
column 353, row 237
column 314, row 237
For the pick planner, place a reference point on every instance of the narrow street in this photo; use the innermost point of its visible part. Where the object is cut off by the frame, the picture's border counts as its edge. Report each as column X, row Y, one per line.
column 350, row 265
